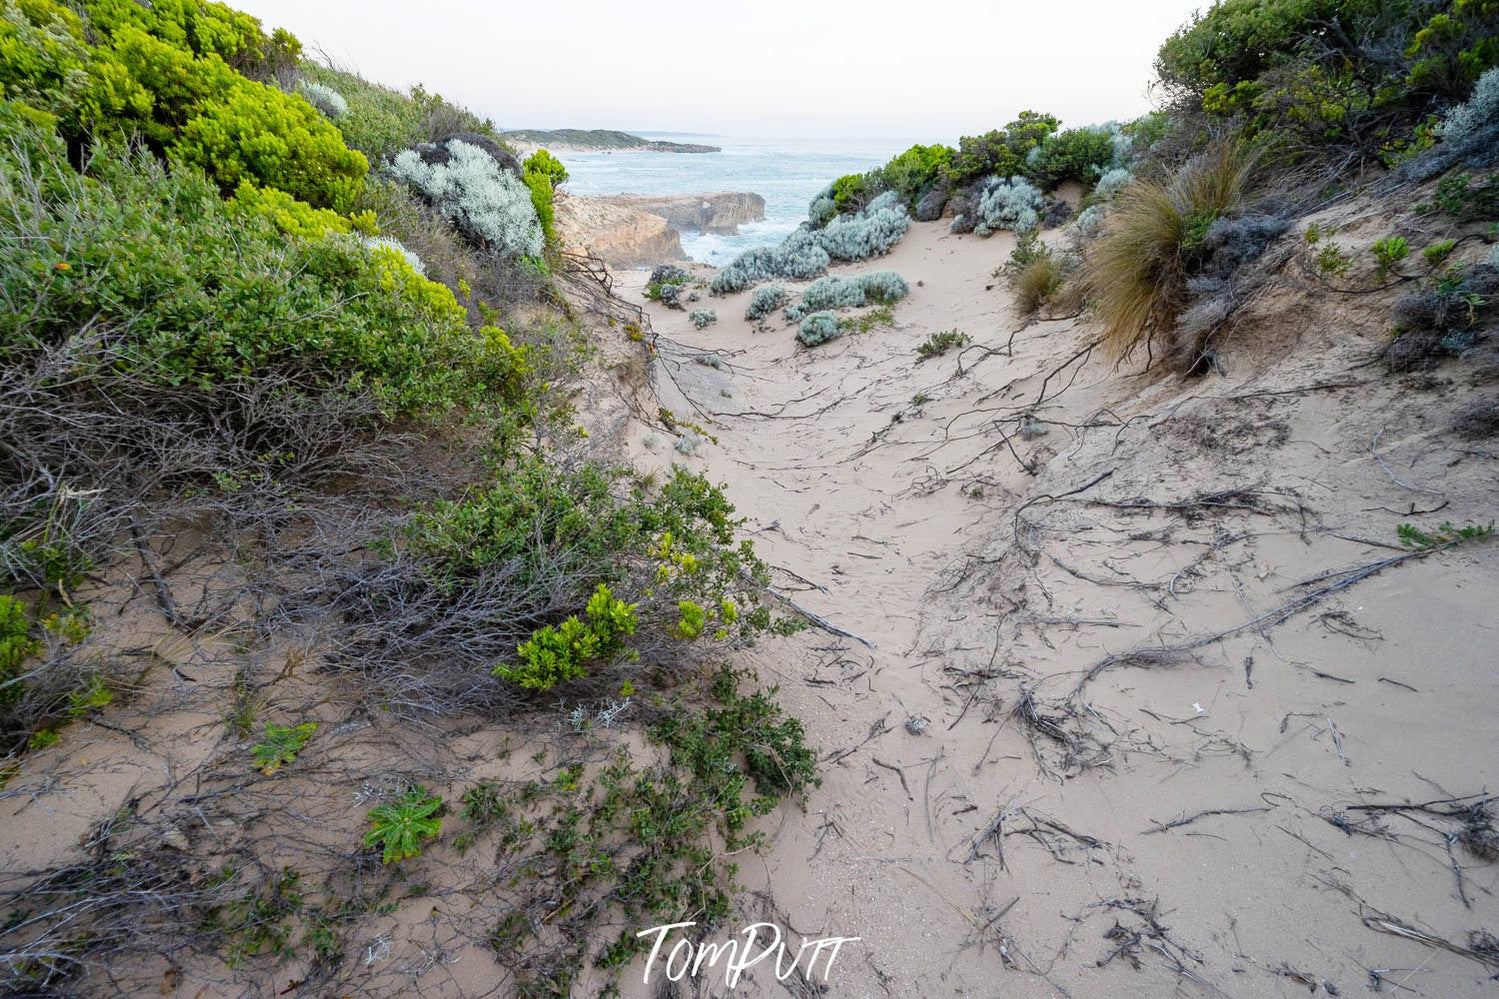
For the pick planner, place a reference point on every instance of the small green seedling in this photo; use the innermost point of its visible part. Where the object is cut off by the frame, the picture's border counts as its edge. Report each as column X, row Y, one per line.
column 280, row 746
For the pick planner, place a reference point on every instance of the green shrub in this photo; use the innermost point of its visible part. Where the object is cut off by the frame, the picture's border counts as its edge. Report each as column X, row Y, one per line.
column 703, row 318
column 1275, row 68
column 197, row 291
column 381, row 121
column 1077, row 154
column 543, row 174
column 168, row 72
column 399, row 827
column 558, row 654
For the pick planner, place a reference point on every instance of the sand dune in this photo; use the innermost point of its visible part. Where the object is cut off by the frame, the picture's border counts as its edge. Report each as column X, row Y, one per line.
column 1131, row 687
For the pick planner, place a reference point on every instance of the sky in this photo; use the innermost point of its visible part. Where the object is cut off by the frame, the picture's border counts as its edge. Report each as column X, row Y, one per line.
column 930, row 70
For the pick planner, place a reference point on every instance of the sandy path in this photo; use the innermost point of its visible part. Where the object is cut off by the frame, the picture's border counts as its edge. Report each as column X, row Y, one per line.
column 895, row 517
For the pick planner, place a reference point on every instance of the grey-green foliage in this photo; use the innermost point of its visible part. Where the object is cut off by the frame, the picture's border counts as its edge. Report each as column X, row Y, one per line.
column 1480, row 111
column 1008, row 204
column 486, row 202
column 872, row 232
column 856, row 291
column 765, row 300
column 703, row 318
column 327, row 100
column 819, row 327
column 807, row 252
column 822, row 208
column 1111, row 183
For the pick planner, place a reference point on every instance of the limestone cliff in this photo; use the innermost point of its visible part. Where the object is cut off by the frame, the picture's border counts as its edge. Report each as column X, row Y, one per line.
column 721, row 212
column 620, row 235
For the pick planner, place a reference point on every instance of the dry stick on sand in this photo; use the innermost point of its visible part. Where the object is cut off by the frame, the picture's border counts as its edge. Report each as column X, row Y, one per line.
column 1344, row 579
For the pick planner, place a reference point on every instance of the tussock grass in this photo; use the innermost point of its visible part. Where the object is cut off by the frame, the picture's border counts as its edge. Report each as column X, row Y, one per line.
column 1039, row 282
column 1136, row 275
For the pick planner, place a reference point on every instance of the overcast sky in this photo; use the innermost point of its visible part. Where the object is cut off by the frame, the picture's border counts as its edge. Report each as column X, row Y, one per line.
column 775, row 68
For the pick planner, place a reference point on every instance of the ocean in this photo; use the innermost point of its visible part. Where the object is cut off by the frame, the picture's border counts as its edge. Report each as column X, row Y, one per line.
column 787, row 173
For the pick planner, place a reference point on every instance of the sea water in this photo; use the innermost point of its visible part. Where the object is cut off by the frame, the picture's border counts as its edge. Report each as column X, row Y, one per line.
column 787, row 173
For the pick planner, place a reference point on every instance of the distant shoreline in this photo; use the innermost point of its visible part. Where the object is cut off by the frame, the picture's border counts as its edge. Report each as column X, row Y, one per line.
column 573, row 140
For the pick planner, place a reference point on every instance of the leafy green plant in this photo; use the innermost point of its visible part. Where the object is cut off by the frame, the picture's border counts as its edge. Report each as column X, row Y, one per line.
column 1436, row 253
column 940, row 343
column 400, row 826
column 556, row 654
column 280, row 745
column 1444, row 536
column 1389, row 252
column 16, row 646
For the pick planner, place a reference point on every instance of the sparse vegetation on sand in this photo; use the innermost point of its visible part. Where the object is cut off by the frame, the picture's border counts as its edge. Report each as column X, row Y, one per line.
column 291, row 399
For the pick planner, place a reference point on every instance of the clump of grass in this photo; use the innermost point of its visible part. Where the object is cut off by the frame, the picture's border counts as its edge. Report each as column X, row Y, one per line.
column 1036, row 274
column 1137, row 272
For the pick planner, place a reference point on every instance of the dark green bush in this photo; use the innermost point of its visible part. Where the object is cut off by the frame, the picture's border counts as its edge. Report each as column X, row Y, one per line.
column 1077, row 154
column 1326, row 77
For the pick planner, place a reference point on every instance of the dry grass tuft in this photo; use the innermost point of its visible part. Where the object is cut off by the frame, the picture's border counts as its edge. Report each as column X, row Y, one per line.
column 1136, row 274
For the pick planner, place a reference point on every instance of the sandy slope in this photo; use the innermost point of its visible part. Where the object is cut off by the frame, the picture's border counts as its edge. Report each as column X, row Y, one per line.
column 983, row 850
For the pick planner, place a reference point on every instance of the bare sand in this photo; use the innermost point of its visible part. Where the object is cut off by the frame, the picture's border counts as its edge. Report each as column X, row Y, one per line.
column 1023, row 794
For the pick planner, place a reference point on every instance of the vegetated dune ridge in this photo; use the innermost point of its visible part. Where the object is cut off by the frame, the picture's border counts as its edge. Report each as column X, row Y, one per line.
column 1137, row 723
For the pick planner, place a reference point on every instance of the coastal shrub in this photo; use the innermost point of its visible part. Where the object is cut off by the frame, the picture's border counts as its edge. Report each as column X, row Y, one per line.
column 197, row 291
column 543, row 173
column 471, row 581
column 854, row 291
column 802, row 255
column 327, row 100
column 703, row 318
column 764, row 301
column 384, row 245
column 822, row 208
column 1443, row 317
column 807, row 252
column 487, row 203
column 665, row 285
column 760, row 263
column 1480, row 111
column 1007, row 204
column 1111, row 183
column 799, row 257
column 872, row 232
column 1002, row 152
column 173, row 76
column 1278, row 74
column 381, row 121
column 819, row 328
column 1153, row 241
column 1082, row 155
